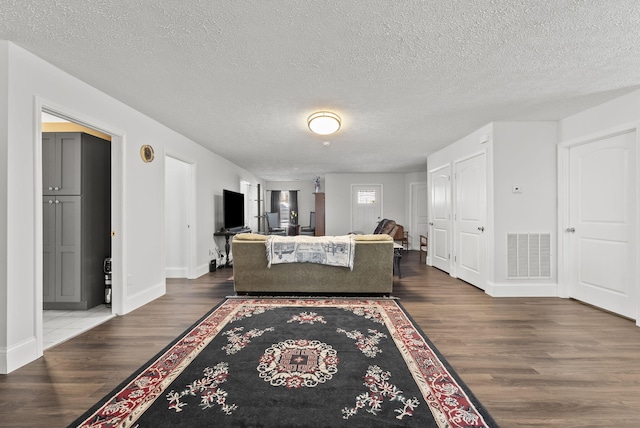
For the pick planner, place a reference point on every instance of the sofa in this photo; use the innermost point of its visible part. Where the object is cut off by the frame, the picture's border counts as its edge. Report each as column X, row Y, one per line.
column 372, row 272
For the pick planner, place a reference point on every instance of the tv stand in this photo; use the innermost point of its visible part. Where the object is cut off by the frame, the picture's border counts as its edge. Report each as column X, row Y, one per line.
column 228, row 233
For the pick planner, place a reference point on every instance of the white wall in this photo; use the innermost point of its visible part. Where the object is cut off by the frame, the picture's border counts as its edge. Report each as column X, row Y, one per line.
column 461, row 149
column 30, row 82
column 338, row 199
column 620, row 111
column 518, row 153
column 524, row 155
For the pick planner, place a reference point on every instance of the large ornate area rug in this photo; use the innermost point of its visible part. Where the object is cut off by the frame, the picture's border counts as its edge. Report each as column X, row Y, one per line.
column 293, row 362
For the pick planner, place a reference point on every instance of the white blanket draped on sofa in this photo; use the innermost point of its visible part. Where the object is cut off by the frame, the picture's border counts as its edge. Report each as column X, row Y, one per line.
column 327, row 250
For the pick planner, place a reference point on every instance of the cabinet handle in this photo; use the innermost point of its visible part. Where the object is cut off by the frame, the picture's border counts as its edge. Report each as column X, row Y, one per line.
column 56, row 188
column 50, row 188
column 50, row 201
column 57, row 201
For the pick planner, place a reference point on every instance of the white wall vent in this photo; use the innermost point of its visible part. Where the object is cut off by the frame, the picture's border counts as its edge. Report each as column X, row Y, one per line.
column 528, row 255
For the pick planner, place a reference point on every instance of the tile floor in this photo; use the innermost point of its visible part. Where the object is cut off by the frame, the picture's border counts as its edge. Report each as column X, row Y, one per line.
column 59, row 326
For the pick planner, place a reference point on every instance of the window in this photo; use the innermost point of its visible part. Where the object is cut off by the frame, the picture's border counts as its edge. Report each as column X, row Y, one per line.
column 285, row 203
column 366, row 197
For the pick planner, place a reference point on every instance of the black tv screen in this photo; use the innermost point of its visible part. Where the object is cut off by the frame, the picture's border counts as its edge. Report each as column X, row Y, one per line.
column 233, row 206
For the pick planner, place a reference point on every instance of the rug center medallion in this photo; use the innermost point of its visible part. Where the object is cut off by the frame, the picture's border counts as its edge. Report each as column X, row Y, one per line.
column 297, row 363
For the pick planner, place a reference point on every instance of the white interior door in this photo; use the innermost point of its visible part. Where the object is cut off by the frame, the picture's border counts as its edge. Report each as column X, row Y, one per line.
column 602, row 226
column 470, row 219
column 419, row 214
column 249, row 205
column 177, row 223
column 366, row 207
column 440, row 213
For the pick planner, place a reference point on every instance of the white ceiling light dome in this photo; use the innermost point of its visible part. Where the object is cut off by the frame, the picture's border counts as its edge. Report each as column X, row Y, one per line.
column 324, row 122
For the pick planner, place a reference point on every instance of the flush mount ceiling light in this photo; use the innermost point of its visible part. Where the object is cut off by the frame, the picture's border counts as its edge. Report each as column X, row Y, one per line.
column 324, row 122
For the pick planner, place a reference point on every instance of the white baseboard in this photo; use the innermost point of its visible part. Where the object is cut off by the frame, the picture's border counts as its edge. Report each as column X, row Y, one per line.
column 176, row 272
column 16, row 356
column 522, row 290
column 134, row 301
column 201, row 270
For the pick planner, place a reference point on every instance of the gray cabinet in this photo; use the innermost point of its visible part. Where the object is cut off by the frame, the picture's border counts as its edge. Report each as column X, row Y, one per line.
column 62, row 162
column 62, row 246
column 76, row 219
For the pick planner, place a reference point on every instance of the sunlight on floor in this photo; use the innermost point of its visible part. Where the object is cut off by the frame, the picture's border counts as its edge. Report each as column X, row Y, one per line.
column 59, row 326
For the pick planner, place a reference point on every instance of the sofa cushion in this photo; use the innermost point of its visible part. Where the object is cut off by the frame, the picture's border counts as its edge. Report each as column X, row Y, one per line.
column 373, row 238
column 250, row 237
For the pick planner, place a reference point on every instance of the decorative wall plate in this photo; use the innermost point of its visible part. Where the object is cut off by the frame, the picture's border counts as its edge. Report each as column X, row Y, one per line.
column 146, row 153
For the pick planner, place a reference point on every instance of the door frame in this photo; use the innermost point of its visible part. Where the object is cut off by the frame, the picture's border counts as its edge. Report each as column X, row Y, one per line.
column 564, row 247
column 118, row 206
column 414, row 235
column 245, row 188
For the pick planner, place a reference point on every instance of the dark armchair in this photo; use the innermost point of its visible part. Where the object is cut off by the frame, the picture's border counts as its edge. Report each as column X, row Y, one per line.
column 389, row 227
column 396, row 231
column 274, row 225
column 311, row 229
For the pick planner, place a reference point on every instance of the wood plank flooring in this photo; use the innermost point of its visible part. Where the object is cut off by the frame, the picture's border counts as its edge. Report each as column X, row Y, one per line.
column 533, row 362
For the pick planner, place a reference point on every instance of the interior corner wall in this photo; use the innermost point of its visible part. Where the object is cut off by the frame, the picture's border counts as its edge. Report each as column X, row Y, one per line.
column 338, row 199
column 518, row 153
column 28, row 80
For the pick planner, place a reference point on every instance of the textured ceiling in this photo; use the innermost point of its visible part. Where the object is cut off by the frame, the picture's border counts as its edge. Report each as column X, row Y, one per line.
column 407, row 77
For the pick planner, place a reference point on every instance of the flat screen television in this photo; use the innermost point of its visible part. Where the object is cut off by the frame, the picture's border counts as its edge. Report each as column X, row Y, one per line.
column 233, row 207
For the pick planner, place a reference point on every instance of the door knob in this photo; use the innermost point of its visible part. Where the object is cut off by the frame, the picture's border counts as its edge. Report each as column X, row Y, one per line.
column 481, row 228
column 571, row 229
column 430, row 223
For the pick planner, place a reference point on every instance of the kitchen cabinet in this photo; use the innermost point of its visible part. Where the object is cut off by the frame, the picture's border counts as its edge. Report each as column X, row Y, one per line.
column 62, row 162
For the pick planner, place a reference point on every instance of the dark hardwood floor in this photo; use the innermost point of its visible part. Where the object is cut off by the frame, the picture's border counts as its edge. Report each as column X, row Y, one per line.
column 533, row 362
